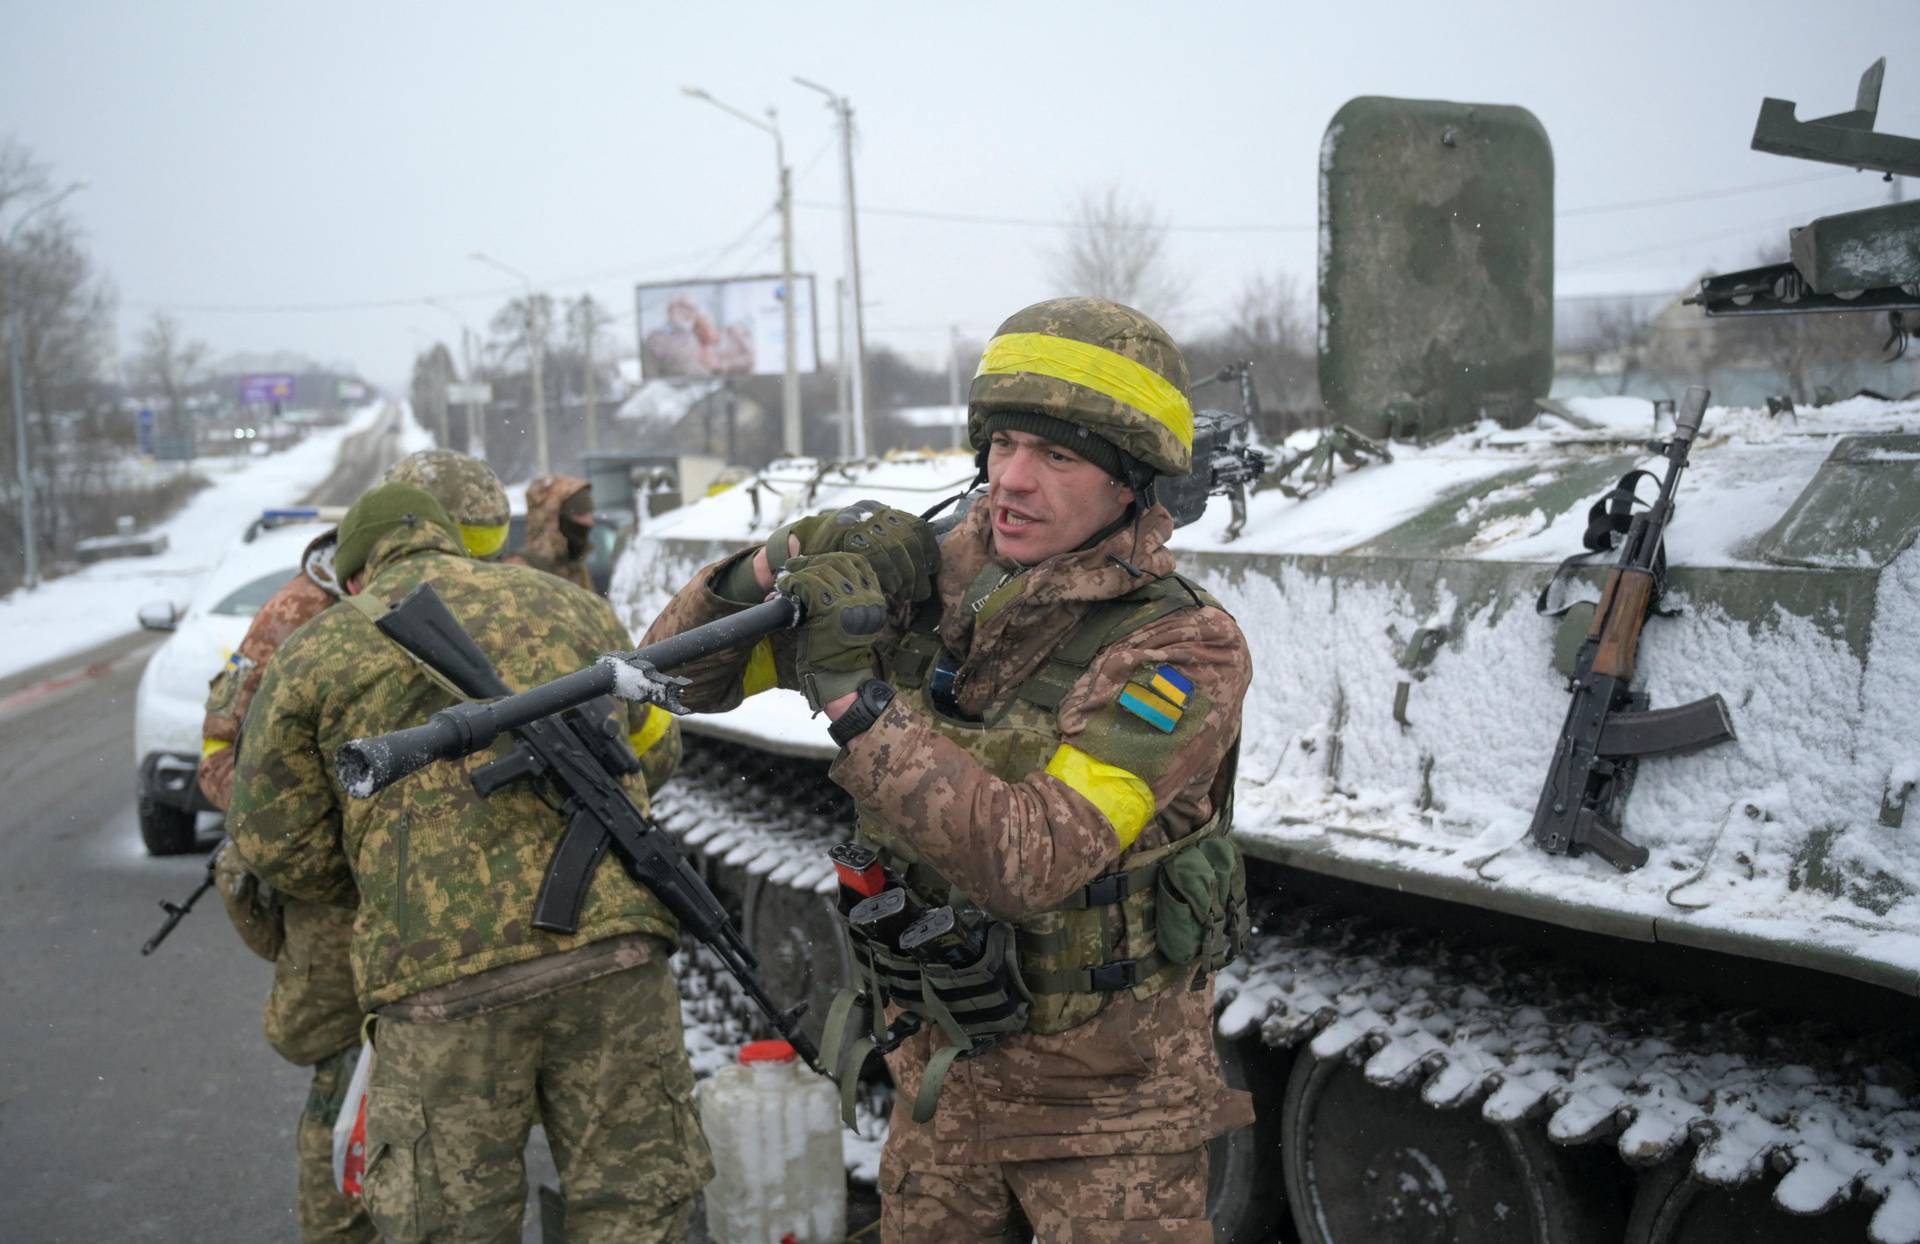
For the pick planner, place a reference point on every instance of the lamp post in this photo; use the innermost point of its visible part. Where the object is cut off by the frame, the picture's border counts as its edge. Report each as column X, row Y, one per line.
column 843, row 110
column 536, row 346
column 16, row 364
column 790, row 386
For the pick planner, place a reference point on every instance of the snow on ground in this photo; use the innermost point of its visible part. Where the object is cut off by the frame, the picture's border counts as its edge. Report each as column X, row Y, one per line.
column 98, row 602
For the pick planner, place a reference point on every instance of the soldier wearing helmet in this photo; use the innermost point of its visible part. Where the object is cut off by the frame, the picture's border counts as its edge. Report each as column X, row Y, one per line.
column 1038, row 720
column 467, row 489
column 312, row 1018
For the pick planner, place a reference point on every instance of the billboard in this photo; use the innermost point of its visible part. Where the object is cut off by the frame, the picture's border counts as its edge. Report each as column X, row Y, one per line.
column 266, row 389
column 730, row 327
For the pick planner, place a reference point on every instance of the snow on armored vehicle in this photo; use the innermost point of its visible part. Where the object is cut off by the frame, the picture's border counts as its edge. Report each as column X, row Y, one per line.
column 1451, row 1034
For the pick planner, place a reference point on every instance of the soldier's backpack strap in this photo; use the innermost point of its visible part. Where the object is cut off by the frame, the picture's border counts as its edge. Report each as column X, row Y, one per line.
column 372, row 608
column 1103, row 625
column 919, row 648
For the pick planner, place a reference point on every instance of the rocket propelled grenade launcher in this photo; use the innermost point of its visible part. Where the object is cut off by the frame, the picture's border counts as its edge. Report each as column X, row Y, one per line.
column 1609, row 726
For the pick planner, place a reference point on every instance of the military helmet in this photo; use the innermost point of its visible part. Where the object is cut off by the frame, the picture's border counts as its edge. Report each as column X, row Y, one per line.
column 1105, row 370
column 466, row 488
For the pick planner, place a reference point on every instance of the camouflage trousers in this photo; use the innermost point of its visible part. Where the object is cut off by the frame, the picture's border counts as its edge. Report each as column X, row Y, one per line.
column 1134, row 1198
column 601, row 1065
column 326, row 1217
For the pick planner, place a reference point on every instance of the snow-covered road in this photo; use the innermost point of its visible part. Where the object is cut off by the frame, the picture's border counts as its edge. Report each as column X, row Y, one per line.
column 98, row 603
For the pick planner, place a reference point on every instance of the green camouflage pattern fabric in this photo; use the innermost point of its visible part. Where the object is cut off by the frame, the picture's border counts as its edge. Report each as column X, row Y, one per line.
column 446, row 880
column 600, row 1065
column 1138, row 1198
column 545, row 547
column 1098, row 322
column 464, row 486
column 313, row 1011
column 1141, row 1076
column 325, row 1216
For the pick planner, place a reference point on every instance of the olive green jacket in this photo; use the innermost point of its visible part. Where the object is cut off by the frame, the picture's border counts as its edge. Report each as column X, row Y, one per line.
column 446, row 880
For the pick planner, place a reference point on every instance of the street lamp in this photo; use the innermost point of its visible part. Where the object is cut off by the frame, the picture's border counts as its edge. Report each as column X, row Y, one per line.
column 843, row 109
column 790, row 386
column 16, row 350
column 536, row 346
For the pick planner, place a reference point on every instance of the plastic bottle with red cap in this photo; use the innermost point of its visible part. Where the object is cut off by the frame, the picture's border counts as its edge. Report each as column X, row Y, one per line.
column 779, row 1171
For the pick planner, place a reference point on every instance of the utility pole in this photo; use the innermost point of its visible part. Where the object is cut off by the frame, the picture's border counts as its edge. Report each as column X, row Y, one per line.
column 790, row 385
column 843, row 109
column 953, row 386
column 845, row 382
column 16, row 364
column 536, row 346
column 587, row 331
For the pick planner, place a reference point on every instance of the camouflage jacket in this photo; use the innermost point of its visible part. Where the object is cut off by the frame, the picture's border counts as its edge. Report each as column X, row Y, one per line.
column 233, row 688
column 445, row 880
column 545, row 547
column 1141, row 1076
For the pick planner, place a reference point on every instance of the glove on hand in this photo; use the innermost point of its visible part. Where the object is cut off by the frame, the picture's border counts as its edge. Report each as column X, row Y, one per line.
column 841, row 613
column 899, row 545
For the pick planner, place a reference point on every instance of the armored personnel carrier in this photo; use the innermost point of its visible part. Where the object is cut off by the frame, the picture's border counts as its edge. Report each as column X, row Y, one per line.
column 1451, row 1033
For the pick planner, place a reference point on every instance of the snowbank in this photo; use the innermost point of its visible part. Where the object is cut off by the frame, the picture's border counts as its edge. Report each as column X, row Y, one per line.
column 93, row 605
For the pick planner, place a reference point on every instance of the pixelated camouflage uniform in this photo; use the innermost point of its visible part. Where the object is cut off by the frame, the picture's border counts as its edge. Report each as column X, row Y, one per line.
column 312, row 1018
column 1102, row 1126
column 487, row 1024
column 545, row 547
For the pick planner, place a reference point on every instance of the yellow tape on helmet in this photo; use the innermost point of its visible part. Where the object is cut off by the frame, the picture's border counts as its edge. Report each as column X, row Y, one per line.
column 483, row 541
column 1092, row 367
column 1125, row 800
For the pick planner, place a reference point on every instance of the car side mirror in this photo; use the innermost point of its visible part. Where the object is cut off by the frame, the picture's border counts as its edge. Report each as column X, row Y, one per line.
column 159, row 616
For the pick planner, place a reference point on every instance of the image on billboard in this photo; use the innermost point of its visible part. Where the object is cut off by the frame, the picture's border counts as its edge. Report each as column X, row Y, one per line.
column 729, row 327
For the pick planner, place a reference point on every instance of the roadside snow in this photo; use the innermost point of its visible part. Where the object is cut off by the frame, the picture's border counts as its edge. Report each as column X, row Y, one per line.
column 93, row 605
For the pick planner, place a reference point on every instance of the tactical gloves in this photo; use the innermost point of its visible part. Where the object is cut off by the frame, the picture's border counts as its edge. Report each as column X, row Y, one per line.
column 899, row 546
column 842, row 611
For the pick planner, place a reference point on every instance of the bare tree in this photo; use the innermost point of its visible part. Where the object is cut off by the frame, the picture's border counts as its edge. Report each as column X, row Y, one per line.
column 1271, row 326
column 170, row 364
column 1116, row 247
column 1815, row 355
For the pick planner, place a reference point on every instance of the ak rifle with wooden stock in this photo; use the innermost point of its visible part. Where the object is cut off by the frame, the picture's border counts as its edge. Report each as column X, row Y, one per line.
column 1609, row 725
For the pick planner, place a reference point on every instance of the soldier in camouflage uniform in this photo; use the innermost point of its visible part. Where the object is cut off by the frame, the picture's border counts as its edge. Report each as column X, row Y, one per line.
column 559, row 528
column 1047, row 737
column 312, row 1018
column 486, row 1025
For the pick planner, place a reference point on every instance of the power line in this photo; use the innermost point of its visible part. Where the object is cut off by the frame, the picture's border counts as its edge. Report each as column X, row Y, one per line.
column 704, row 256
column 1042, row 222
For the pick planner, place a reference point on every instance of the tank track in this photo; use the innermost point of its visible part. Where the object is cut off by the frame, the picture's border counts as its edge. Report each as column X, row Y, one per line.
column 765, row 815
column 1468, row 1027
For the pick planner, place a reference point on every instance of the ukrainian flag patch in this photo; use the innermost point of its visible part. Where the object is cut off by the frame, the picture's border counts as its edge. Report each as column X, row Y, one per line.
column 1160, row 700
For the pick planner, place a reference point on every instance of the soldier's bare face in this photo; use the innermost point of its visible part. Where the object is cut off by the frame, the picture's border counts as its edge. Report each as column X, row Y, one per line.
column 1046, row 500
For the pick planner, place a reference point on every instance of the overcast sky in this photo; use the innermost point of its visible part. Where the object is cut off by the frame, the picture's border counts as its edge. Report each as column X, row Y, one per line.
column 304, row 177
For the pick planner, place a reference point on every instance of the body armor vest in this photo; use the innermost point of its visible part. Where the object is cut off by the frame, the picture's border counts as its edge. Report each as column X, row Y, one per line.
column 1066, row 961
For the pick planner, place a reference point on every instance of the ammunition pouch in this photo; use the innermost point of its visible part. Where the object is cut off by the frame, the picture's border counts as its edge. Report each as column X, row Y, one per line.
column 1200, row 909
column 973, row 1006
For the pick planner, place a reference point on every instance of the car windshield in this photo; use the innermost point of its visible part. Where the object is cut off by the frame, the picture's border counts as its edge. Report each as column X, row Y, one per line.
column 245, row 601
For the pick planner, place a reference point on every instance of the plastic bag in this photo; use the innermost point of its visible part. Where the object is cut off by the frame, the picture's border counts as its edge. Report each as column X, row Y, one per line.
column 350, row 1128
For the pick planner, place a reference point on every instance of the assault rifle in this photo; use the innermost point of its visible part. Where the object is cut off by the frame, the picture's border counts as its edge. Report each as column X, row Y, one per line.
column 176, row 912
column 1609, row 726
column 580, row 758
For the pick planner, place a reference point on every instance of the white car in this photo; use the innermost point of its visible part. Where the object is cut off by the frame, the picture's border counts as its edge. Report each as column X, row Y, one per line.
column 171, row 703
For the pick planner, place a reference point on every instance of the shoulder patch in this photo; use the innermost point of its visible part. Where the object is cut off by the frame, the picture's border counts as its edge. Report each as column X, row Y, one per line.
column 1158, row 709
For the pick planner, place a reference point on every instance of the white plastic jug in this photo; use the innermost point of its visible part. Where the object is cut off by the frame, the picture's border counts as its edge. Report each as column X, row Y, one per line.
column 774, row 1127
